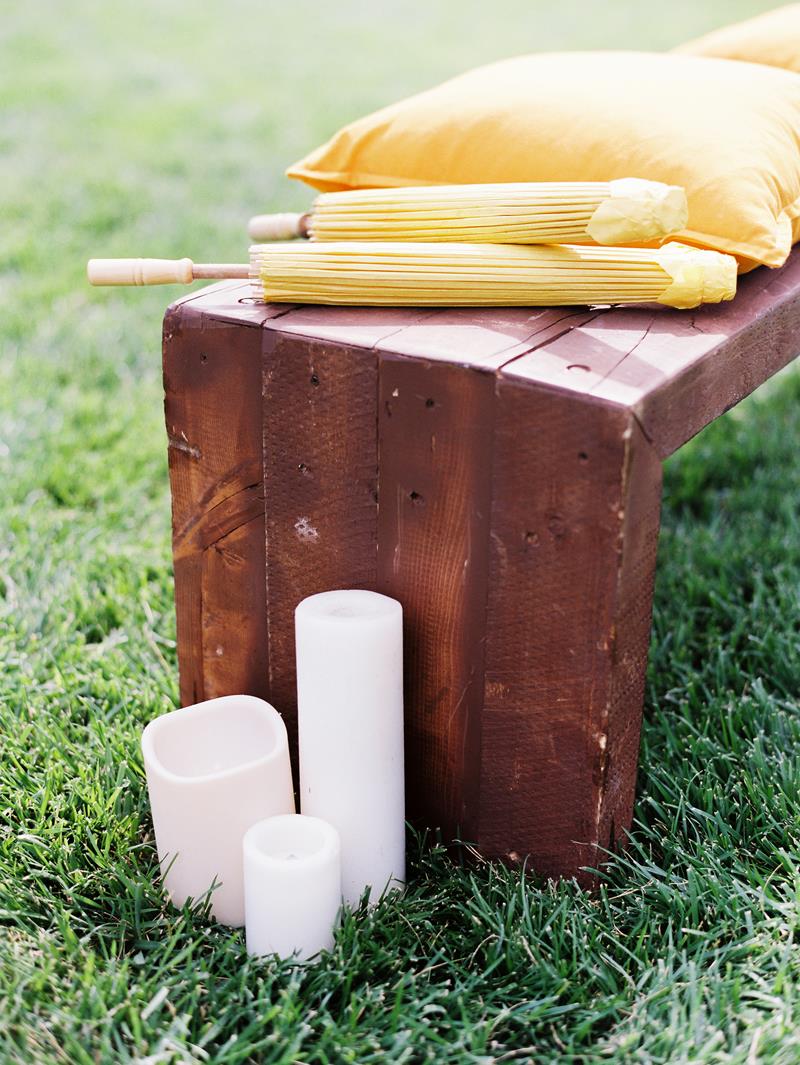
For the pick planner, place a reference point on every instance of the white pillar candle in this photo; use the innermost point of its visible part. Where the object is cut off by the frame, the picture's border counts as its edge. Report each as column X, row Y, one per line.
column 292, row 886
column 213, row 770
column 350, row 724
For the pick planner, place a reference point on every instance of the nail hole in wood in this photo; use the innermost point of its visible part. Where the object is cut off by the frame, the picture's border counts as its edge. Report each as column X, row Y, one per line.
column 204, row 357
column 303, row 468
column 582, row 456
column 416, row 499
column 531, row 538
column 556, row 526
column 430, row 403
column 314, row 380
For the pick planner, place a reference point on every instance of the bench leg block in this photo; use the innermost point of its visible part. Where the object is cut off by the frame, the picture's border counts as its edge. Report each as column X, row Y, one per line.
column 212, row 403
column 574, row 532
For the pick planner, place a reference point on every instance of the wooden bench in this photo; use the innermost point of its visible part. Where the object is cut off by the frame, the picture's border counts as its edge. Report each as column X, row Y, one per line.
column 499, row 472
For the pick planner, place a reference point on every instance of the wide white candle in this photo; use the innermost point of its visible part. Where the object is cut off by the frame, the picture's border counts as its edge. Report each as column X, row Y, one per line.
column 292, row 886
column 350, row 723
column 213, row 770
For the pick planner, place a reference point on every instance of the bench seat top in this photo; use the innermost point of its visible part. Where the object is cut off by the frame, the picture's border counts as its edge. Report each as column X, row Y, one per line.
column 675, row 370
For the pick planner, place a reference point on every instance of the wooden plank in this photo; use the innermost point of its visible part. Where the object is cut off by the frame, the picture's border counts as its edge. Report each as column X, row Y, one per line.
column 580, row 358
column 755, row 340
column 564, row 663
column 212, row 385
column 319, row 453
column 233, row 643
column 435, row 429
column 233, row 301
column 471, row 336
column 352, row 326
column 483, row 337
column 690, row 367
column 678, row 370
column 632, row 610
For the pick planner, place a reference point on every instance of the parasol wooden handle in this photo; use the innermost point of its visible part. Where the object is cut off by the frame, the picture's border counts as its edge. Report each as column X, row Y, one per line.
column 158, row 271
column 264, row 227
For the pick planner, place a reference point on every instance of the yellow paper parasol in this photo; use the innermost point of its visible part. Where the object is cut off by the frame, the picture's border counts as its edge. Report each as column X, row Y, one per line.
column 626, row 211
column 373, row 273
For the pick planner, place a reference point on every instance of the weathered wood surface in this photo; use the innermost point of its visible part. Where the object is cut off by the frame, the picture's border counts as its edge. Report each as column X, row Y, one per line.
column 498, row 471
column 575, row 513
column 319, row 475
column 434, row 429
column 679, row 370
column 212, row 388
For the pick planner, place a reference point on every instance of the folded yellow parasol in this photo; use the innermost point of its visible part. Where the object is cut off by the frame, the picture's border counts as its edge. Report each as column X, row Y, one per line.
column 625, row 211
column 372, row 273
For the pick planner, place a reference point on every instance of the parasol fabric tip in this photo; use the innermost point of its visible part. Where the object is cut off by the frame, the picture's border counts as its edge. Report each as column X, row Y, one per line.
column 638, row 211
column 698, row 276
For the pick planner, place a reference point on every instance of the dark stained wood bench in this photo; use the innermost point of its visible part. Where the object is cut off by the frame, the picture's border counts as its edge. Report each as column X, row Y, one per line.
column 499, row 472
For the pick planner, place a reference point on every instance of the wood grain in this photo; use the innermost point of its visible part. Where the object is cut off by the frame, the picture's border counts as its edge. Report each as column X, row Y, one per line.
column 319, row 471
column 567, row 625
column 679, row 370
column 212, row 386
column 435, row 431
column 632, row 610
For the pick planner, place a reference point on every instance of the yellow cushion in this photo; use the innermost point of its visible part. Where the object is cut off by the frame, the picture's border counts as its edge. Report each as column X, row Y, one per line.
column 727, row 132
column 772, row 38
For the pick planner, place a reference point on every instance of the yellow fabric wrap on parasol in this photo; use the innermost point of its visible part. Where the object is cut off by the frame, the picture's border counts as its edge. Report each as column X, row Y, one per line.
column 374, row 273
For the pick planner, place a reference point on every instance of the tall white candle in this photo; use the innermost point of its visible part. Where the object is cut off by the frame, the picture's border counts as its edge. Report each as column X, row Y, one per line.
column 292, row 886
column 350, row 723
column 213, row 770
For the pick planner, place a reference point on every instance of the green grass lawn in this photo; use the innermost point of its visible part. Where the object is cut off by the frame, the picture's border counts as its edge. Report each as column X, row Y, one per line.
column 156, row 129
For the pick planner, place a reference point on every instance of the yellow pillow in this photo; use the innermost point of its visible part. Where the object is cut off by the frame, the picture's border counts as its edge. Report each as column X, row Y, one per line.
column 772, row 38
column 728, row 132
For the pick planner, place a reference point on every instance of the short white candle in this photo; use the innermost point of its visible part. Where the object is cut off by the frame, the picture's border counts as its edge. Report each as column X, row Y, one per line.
column 213, row 770
column 292, row 886
column 350, row 725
